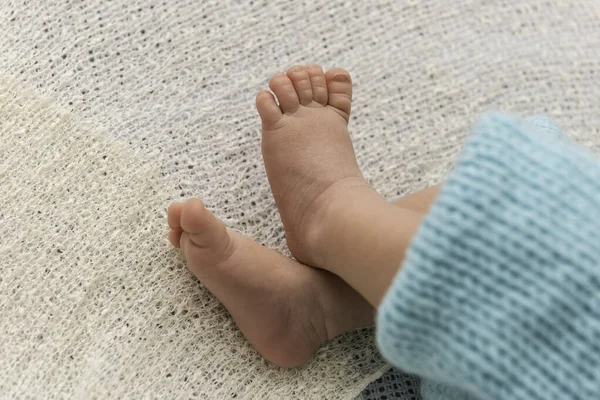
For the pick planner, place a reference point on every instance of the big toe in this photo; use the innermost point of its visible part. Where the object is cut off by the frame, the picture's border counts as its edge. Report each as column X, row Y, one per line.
column 200, row 227
column 339, row 88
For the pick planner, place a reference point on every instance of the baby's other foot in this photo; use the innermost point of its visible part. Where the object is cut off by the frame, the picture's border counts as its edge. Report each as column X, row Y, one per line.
column 285, row 309
column 307, row 150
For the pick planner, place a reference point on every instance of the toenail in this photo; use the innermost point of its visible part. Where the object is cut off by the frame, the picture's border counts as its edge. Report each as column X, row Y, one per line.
column 297, row 68
column 341, row 78
column 279, row 75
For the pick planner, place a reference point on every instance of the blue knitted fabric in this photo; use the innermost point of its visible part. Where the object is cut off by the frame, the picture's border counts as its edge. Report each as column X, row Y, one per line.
column 499, row 295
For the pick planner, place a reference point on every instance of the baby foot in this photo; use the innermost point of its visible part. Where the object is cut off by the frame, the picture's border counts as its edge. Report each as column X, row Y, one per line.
column 307, row 150
column 285, row 309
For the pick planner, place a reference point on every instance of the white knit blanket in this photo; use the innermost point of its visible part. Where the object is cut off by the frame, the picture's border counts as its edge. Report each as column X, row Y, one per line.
column 109, row 110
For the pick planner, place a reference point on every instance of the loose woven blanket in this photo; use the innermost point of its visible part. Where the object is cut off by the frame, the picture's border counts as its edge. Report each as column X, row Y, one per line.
column 110, row 110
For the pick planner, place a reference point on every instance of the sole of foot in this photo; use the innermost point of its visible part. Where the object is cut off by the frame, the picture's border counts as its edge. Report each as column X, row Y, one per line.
column 307, row 150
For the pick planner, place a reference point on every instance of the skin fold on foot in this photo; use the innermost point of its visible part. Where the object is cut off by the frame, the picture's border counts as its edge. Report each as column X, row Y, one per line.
column 285, row 309
column 306, row 148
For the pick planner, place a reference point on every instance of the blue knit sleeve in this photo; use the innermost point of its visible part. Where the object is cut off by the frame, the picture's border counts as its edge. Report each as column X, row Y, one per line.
column 499, row 295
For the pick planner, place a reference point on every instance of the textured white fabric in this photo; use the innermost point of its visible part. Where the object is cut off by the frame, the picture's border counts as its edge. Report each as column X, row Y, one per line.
column 394, row 384
column 175, row 80
column 95, row 303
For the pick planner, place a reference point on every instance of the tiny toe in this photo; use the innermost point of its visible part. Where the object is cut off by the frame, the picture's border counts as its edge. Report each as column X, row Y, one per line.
column 203, row 227
column 339, row 87
column 267, row 108
column 301, row 81
column 174, row 216
column 283, row 88
column 318, row 83
column 175, row 237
